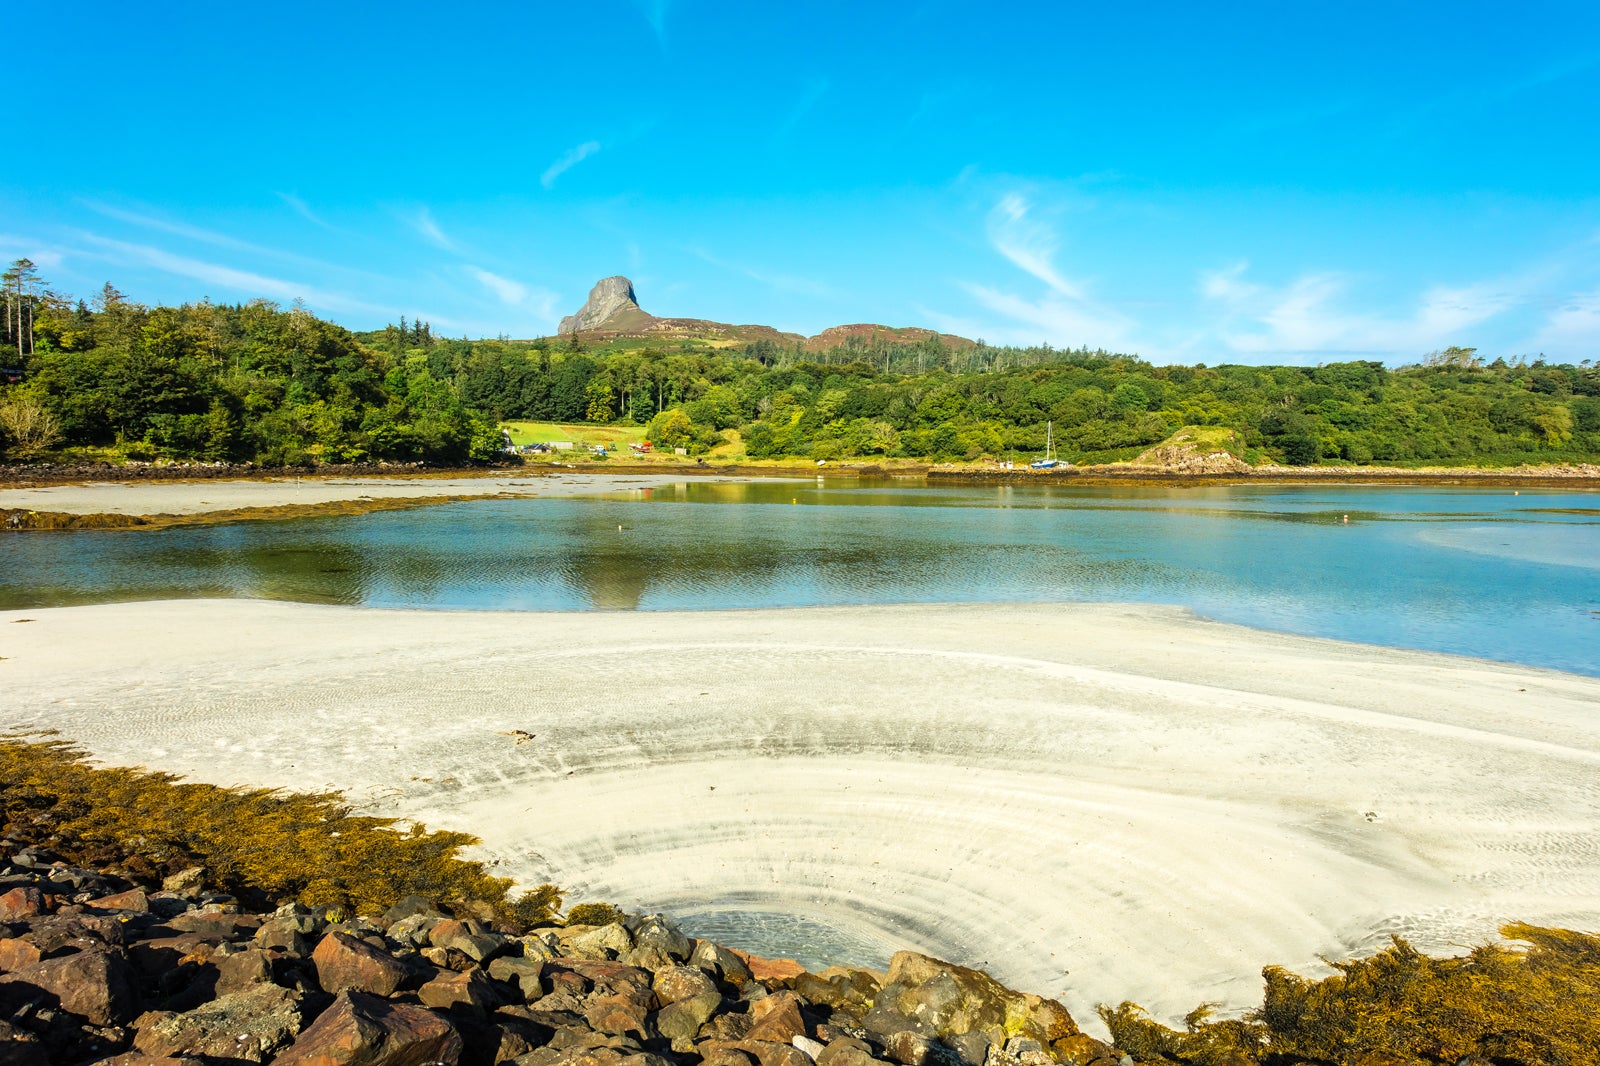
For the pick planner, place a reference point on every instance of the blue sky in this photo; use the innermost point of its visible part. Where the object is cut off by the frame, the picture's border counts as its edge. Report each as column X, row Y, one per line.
column 1198, row 183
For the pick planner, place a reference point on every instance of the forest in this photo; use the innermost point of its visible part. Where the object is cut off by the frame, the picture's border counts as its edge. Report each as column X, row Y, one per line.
column 113, row 379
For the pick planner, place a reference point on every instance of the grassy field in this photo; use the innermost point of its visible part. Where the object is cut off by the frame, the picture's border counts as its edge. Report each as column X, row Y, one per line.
column 582, row 435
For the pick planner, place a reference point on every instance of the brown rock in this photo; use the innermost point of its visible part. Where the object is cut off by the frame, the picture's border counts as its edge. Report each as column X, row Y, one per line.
column 18, row 954
column 526, row 974
column 777, row 1018
column 952, row 1000
column 846, row 1051
column 851, row 991
column 769, row 969
column 158, row 955
column 908, row 1048
column 772, row 1053
column 676, row 983
column 139, row 1058
column 620, row 1012
column 720, row 961
column 713, row 1054
column 216, row 927
column 20, row 903
column 344, row 962
column 131, row 900
column 362, row 1030
column 251, row 1026
column 96, row 985
column 242, row 969
column 470, row 991
column 601, row 974
column 681, row 1021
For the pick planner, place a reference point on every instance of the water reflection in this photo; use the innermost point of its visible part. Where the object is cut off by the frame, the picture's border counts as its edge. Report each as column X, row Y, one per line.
column 1481, row 572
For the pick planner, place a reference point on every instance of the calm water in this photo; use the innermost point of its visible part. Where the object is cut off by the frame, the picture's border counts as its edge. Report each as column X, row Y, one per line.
column 1479, row 572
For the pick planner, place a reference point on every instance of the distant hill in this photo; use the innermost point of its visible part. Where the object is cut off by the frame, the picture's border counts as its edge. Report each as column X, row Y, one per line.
column 612, row 311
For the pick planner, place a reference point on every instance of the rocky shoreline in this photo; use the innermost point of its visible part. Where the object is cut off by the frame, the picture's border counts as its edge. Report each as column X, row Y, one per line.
column 97, row 967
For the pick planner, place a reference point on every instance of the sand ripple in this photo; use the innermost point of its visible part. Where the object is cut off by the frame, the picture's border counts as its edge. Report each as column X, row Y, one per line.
column 1094, row 802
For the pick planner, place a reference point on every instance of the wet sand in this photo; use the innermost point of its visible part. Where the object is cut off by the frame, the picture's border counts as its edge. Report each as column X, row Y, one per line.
column 1094, row 802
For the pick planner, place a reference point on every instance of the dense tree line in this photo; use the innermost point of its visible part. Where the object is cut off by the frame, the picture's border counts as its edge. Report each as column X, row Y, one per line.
column 254, row 381
column 220, row 382
column 1453, row 407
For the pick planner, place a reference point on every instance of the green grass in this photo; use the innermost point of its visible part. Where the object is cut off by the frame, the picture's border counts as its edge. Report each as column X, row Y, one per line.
column 583, row 435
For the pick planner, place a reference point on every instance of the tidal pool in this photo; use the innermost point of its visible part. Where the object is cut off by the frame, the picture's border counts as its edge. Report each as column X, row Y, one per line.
column 1492, row 573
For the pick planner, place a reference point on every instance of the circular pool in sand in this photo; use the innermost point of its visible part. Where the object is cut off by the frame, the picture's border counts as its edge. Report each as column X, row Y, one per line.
column 1093, row 802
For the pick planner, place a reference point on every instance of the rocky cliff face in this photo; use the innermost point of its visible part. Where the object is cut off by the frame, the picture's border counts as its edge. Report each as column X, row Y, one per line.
column 609, row 298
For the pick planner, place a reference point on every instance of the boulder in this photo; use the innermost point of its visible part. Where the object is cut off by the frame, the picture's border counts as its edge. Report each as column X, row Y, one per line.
column 620, row 1012
column 362, row 1030
column 766, row 970
column 410, row 907
column 132, row 900
column 186, row 882
column 777, row 1018
column 851, row 991
column 603, row 943
column 465, row 991
column 676, row 983
column 96, row 985
column 251, row 1026
column 413, row 930
column 216, row 926
column 242, row 969
column 18, row 954
column 21, row 902
column 845, row 1051
column 952, row 1000
column 654, row 931
column 343, row 962
column 721, row 962
column 681, row 1019
column 525, row 974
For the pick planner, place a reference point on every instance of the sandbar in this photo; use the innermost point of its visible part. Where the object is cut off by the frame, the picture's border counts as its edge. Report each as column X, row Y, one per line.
column 1093, row 802
column 203, row 497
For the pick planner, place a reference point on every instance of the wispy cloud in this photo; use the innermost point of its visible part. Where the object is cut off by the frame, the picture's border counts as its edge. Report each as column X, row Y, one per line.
column 810, row 96
column 301, row 208
column 571, row 158
column 540, row 302
column 1313, row 315
column 177, row 229
column 1065, row 313
column 655, row 13
column 773, row 280
column 241, row 282
column 1573, row 327
column 424, row 224
column 1029, row 244
column 42, row 255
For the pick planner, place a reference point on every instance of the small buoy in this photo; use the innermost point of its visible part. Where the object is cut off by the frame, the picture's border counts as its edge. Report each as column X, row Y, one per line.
column 619, row 527
column 1346, row 521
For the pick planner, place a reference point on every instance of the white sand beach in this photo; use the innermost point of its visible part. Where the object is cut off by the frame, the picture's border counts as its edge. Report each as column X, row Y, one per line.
column 222, row 494
column 1095, row 802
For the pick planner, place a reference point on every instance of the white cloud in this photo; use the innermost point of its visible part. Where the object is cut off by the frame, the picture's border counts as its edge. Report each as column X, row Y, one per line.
column 13, row 248
column 303, row 209
column 425, row 225
column 1029, row 244
column 572, row 158
column 1572, row 329
column 1312, row 315
column 1053, row 319
column 510, row 292
column 242, row 282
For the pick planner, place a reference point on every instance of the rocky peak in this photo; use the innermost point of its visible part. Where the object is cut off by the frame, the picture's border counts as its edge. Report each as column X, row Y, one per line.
column 608, row 297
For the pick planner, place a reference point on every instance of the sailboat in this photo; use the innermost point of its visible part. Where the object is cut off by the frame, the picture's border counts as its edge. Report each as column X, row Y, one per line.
column 1049, row 459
